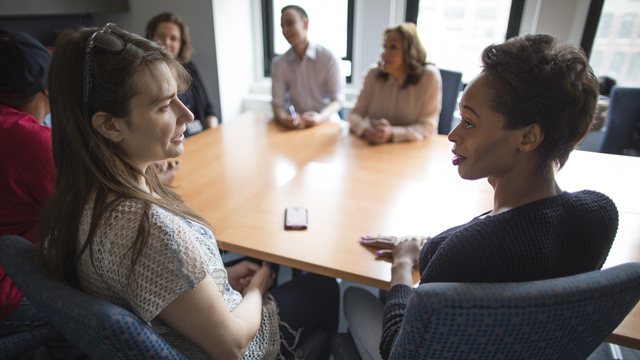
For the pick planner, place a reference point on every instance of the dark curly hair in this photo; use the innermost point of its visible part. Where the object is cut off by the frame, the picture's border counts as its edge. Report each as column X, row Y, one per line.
column 537, row 82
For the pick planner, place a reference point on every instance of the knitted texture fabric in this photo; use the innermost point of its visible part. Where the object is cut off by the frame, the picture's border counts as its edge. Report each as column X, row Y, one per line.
column 562, row 235
column 177, row 257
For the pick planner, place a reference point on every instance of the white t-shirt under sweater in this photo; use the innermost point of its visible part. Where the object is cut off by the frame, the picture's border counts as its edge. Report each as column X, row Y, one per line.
column 177, row 257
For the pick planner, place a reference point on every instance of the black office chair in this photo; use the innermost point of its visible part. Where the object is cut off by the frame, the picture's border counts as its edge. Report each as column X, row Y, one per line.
column 562, row 318
column 23, row 344
column 100, row 329
column 451, row 84
column 622, row 119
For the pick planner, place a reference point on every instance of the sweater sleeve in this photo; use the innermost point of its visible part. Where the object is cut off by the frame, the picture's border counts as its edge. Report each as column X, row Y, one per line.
column 360, row 111
column 394, row 309
column 208, row 108
column 335, row 81
column 430, row 93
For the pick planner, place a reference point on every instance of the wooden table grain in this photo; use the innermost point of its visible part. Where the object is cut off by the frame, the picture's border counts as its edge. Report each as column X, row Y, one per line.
column 242, row 175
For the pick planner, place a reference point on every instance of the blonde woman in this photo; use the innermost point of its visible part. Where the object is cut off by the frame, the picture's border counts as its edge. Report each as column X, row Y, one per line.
column 401, row 97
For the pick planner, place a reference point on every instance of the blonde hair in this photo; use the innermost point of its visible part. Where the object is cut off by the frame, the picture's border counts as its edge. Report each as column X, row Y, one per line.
column 414, row 54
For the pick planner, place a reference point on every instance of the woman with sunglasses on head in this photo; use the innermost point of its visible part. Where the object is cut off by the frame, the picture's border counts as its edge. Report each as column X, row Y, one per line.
column 115, row 231
column 522, row 116
column 402, row 96
column 169, row 30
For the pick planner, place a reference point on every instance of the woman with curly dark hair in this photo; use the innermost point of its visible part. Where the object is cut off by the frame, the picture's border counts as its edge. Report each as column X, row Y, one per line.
column 402, row 96
column 522, row 116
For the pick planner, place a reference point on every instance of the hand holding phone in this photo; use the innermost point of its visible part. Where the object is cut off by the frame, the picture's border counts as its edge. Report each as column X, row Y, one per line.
column 295, row 218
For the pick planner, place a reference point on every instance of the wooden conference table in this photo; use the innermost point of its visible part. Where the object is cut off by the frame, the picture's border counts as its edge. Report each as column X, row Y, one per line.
column 242, row 175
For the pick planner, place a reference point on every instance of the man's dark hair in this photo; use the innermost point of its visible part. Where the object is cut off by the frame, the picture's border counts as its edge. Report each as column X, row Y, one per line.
column 303, row 14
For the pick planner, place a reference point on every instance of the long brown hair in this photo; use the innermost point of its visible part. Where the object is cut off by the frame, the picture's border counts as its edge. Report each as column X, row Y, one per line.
column 414, row 54
column 86, row 161
column 186, row 49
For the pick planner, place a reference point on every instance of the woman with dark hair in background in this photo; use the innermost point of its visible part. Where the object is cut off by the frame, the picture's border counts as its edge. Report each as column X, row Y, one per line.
column 169, row 30
column 114, row 230
column 401, row 97
column 522, row 116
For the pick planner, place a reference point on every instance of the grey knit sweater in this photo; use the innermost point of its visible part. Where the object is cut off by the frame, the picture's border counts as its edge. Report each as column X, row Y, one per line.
column 562, row 235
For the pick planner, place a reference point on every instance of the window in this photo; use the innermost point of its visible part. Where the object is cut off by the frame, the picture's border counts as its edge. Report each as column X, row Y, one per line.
column 611, row 40
column 595, row 60
column 617, row 60
column 626, row 27
column 455, row 32
column 634, row 68
column 330, row 24
column 605, row 26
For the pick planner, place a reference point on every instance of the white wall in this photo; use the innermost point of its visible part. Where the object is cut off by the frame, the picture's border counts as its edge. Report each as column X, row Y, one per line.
column 234, row 22
column 198, row 14
column 372, row 17
column 563, row 19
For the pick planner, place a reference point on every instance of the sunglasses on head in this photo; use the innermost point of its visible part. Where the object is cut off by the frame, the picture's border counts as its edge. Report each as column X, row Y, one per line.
column 105, row 39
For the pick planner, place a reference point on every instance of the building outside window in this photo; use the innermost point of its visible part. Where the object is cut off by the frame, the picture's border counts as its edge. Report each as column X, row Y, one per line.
column 455, row 32
column 616, row 46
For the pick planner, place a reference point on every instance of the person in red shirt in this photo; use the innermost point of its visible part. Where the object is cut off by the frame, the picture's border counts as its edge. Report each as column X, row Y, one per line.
column 27, row 170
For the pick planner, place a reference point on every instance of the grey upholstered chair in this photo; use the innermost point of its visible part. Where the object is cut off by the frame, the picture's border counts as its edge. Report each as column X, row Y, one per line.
column 451, row 82
column 623, row 119
column 564, row 318
column 22, row 344
column 100, row 329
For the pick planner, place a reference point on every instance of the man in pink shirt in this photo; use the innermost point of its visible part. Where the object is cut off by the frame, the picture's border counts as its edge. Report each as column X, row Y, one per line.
column 307, row 85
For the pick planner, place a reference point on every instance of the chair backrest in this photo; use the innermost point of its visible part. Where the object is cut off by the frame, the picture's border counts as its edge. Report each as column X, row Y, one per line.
column 451, row 82
column 564, row 318
column 622, row 119
column 100, row 329
column 14, row 345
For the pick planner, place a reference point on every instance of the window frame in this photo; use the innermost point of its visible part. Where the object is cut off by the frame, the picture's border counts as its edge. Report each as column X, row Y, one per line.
column 591, row 26
column 268, row 43
column 513, row 27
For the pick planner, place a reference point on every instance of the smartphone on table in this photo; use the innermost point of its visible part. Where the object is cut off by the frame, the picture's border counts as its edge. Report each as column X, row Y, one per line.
column 295, row 218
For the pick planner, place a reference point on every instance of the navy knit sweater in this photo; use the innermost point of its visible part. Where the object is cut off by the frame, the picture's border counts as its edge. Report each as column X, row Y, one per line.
column 562, row 235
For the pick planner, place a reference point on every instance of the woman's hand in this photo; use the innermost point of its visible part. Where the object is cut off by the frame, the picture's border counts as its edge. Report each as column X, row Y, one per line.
column 262, row 279
column 212, row 121
column 166, row 170
column 385, row 243
column 403, row 251
column 406, row 248
column 378, row 132
column 240, row 274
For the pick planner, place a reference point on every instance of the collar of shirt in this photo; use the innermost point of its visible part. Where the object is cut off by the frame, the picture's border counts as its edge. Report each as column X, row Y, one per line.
column 311, row 53
column 398, row 81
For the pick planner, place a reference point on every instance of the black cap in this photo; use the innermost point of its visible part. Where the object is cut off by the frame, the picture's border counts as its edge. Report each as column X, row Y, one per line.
column 24, row 65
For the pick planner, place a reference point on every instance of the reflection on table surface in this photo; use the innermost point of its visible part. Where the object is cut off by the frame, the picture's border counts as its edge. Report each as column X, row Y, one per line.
column 243, row 174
